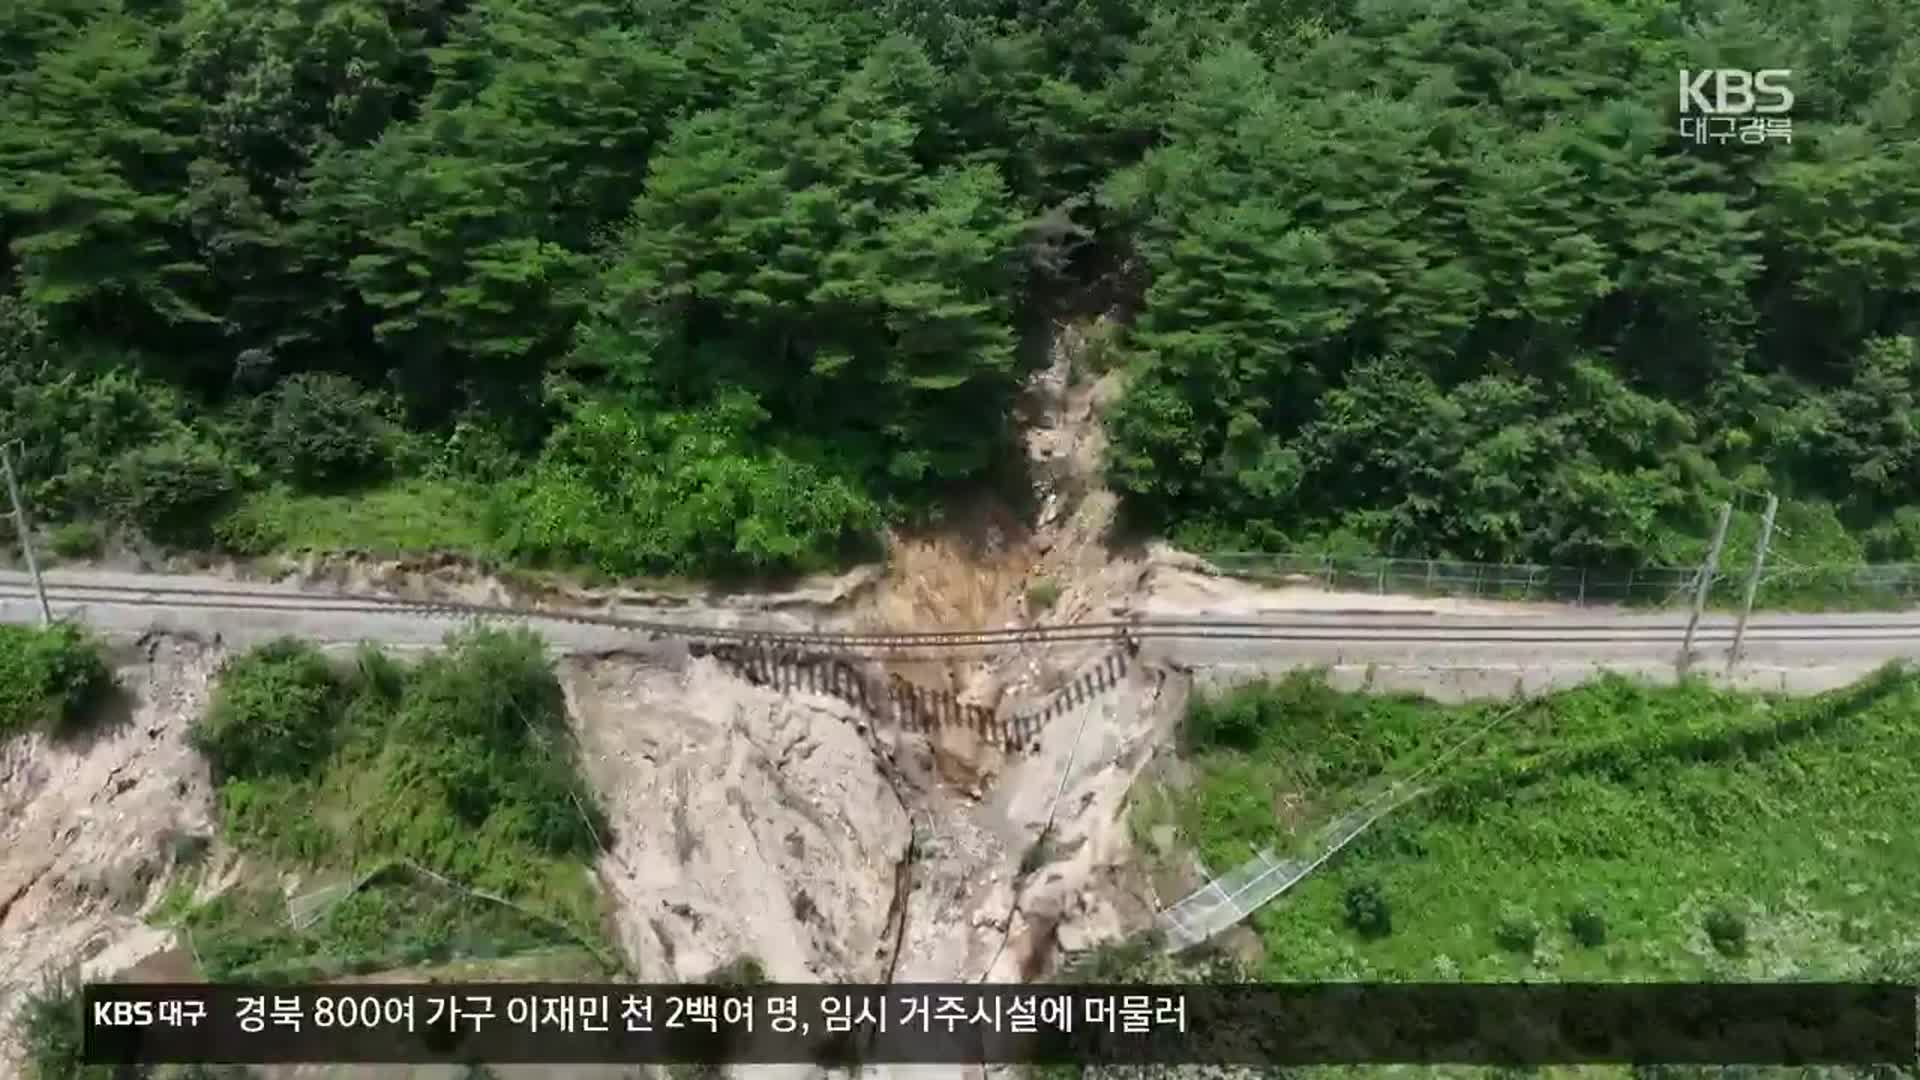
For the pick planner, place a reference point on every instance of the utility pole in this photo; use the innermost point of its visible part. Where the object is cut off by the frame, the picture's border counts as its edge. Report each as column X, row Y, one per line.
column 1753, row 580
column 26, row 537
column 1704, row 583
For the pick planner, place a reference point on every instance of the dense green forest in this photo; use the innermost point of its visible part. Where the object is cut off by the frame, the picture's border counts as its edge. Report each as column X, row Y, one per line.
column 727, row 287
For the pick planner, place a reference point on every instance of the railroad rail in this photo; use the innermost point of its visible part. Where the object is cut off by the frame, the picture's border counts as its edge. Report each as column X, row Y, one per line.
column 1320, row 626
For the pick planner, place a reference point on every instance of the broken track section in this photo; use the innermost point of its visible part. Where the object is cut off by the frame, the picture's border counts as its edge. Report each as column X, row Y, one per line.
column 889, row 699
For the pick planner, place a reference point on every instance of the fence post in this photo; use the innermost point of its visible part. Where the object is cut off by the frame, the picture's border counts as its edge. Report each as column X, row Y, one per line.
column 1582, row 602
column 1326, row 572
column 26, row 538
column 1380, row 586
column 1704, row 583
column 1628, row 598
column 1753, row 581
column 1429, row 576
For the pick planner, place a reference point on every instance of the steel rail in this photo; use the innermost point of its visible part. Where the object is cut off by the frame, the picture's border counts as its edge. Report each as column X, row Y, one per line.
column 1397, row 627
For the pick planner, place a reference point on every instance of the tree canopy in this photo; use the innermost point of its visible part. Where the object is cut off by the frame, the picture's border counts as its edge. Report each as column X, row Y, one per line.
column 726, row 288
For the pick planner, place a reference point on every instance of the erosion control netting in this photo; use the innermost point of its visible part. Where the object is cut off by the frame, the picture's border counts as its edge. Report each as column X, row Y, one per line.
column 1650, row 586
column 1241, row 891
column 397, row 915
column 1244, row 889
column 1783, row 582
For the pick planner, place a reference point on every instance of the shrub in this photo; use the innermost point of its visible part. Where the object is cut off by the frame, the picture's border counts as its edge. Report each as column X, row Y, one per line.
column 50, row 679
column 50, row 1026
column 76, row 540
column 490, row 720
column 1727, row 929
column 478, row 449
column 172, row 490
column 1587, row 926
column 1367, row 911
column 1100, row 345
column 1517, row 930
column 320, row 430
column 1042, row 595
column 742, row 970
column 1237, row 721
column 250, row 529
column 72, row 427
column 462, row 763
column 684, row 493
column 272, row 714
column 1301, row 706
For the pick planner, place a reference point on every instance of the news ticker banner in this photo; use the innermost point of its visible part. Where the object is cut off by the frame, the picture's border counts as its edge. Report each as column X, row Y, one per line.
column 1262, row 1024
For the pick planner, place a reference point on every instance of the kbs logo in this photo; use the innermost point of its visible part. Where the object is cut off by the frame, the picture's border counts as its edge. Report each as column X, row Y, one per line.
column 1722, row 104
column 122, row 1013
column 1733, row 91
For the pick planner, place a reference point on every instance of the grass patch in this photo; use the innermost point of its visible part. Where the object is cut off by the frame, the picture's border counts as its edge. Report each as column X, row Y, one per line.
column 76, row 540
column 1042, row 595
column 459, row 771
column 410, row 517
column 50, row 1027
column 1652, row 833
column 397, row 919
column 51, row 678
column 176, row 903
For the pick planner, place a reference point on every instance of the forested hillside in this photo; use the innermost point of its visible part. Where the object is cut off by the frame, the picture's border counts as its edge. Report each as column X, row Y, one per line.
column 727, row 287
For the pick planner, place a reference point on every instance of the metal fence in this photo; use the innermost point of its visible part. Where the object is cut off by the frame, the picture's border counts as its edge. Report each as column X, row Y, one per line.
column 1865, row 585
column 1446, row 577
column 1246, row 888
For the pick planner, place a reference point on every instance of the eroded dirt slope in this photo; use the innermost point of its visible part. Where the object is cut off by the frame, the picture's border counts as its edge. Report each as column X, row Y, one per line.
column 89, row 827
column 746, row 823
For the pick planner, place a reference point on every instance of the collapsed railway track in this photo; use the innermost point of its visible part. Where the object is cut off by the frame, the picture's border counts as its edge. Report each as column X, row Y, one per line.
column 1319, row 626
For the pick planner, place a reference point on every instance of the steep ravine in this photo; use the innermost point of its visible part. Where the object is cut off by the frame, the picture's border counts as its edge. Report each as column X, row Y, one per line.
column 745, row 822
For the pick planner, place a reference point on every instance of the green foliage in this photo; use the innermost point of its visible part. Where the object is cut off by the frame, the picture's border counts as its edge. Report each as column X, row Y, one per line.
column 174, row 904
column 1634, row 810
column 410, row 517
column 1516, row 930
column 273, row 713
column 51, row 679
column 95, row 147
column 319, row 431
column 1421, row 278
column 1367, row 912
column 171, row 489
column 462, row 765
column 637, row 493
column 391, row 921
column 742, row 970
column 1468, row 297
column 1042, row 595
column 1727, row 930
column 76, row 540
column 51, row 1026
column 1587, row 926
column 812, row 260
column 78, row 430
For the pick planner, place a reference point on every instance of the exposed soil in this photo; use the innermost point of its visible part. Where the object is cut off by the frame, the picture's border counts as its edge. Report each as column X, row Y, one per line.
column 90, row 828
column 789, row 827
